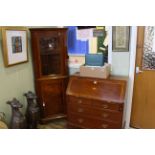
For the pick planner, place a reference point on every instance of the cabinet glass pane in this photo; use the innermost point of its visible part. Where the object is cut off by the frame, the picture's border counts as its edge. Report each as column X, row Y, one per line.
column 50, row 55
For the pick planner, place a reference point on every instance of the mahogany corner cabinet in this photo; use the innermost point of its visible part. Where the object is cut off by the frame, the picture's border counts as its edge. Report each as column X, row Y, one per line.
column 50, row 61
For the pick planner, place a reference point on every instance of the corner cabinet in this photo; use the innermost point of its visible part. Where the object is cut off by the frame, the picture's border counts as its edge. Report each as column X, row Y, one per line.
column 95, row 103
column 50, row 60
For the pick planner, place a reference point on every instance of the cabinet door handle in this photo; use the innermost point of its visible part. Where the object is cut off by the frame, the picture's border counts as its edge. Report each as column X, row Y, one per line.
column 43, row 104
column 104, row 126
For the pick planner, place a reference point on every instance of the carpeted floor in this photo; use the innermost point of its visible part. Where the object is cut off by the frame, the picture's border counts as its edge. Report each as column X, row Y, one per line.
column 55, row 124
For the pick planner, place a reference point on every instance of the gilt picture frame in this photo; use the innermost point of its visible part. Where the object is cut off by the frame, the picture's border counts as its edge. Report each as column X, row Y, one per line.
column 120, row 38
column 15, row 45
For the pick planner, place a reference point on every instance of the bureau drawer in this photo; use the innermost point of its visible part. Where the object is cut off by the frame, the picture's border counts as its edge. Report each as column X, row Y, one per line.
column 80, row 121
column 91, row 123
column 113, row 116
column 78, row 101
column 107, row 105
column 102, row 124
column 79, row 109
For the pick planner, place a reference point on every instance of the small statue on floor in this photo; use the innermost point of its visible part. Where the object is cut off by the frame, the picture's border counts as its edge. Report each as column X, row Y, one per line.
column 18, row 120
column 32, row 112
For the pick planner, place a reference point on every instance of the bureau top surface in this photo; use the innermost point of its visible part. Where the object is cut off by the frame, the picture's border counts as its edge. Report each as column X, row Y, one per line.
column 112, row 77
column 112, row 89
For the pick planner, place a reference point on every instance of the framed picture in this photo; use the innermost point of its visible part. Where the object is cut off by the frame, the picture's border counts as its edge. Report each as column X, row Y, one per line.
column 120, row 38
column 15, row 44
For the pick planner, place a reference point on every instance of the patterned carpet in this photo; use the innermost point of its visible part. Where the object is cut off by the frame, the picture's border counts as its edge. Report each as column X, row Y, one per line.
column 55, row 124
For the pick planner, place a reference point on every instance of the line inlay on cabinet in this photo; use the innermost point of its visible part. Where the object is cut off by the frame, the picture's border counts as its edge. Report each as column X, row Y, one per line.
column 50, row 60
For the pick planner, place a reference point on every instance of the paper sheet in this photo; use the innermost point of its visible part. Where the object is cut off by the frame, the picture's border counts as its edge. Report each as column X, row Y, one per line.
column 84, row 34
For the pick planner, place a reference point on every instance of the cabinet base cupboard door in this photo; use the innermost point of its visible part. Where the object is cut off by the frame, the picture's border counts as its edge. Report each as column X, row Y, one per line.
column 51, row 98
column 51, row 70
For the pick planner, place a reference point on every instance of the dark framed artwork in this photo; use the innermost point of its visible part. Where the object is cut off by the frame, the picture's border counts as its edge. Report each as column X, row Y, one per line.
column 120, row 38
column 15, row 45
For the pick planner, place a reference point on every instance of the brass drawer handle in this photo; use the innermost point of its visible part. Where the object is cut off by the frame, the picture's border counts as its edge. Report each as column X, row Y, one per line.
column 80, row 120
column 80, row 110
column 105, row 115
column 104, row 126
column 105, row 106
column 59, row 34
column 79, row 101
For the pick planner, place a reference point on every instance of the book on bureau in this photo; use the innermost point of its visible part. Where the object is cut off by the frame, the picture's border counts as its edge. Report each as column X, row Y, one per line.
column 94, row 103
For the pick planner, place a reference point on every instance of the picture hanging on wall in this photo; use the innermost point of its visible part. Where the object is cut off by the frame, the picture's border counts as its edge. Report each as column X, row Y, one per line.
column 120, row 38
column 15, row 45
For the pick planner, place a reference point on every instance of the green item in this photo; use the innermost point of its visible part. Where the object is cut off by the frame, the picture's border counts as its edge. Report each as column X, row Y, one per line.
column 100, row 43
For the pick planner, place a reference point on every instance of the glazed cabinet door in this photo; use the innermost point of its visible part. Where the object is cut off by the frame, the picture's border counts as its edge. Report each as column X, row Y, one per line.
column 50, row 52
column 51, row 97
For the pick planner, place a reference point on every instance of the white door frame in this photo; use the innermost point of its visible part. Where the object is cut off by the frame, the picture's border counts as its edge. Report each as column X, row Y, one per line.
column 131, row 76
column 130, row 86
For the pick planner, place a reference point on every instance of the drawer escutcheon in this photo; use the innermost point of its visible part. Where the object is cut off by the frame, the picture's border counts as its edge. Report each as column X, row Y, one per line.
column 94, row 82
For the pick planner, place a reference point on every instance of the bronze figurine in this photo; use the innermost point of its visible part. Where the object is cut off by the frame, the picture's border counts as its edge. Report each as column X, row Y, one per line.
column 18, row 120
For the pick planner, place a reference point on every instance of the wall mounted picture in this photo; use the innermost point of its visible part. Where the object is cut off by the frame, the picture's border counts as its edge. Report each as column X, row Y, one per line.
column 15, row 45
column 120, row 38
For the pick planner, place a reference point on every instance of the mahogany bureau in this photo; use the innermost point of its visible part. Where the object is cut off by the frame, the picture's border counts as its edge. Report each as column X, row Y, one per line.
column 95, row 103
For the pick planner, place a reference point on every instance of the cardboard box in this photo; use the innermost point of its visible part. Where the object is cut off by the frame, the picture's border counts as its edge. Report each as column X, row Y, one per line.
column 96, row 72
